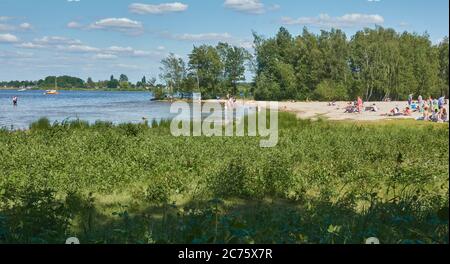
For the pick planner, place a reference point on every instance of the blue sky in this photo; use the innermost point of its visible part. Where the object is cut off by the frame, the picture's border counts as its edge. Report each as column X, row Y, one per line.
column 97, row 38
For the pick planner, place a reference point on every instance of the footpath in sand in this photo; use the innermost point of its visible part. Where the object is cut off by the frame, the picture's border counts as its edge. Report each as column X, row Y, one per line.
column 314, row 110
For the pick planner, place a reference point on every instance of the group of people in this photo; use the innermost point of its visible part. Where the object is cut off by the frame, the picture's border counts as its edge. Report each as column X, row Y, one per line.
column 431, row 109
column 355, row 107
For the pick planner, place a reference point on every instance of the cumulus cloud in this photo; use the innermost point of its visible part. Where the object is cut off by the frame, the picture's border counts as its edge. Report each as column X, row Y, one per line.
column 6, row 27
column 126, row 66
column 158, row 9
column 119, row 24
column 129, row 51
column 102, row 56
column 324, row 20
column 202, row 37
column 56, row 40
column 30, row 45
column 26, row 26
column 74, row 24
column 15, row 54
column 246, row 6
column 8, row 38
column 78, row 48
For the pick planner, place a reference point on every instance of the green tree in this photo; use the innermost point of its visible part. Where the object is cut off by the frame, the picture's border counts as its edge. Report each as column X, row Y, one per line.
column 206, row 64
column 173, row 72
column 443, row 66
column 233, row 60
column 113, row 83
column 90, row 83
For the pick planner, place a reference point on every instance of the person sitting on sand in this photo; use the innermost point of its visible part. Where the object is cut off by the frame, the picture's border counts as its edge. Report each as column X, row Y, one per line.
column 434, row 116
column 443, row 115
column 395, row 111
column 407, row 111
column 350, row 108
column 372, row 108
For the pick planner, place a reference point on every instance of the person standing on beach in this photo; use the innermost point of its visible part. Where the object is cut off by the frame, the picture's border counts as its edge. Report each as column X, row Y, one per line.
column 15, row 100
column 359, row 105
column 410, row 99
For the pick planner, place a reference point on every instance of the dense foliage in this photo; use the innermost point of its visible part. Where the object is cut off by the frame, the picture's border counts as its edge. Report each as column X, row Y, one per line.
column 374, row 63
column 325, row 182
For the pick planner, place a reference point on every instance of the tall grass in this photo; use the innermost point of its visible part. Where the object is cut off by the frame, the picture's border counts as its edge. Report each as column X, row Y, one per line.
column 325, row 182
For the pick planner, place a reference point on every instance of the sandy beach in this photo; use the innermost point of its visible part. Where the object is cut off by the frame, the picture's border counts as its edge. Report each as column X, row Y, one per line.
column 314, row 110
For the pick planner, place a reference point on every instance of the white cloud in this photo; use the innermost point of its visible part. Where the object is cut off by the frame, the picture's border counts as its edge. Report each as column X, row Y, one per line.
column 30, row 45
column 102, row 56
column 15, row 54
column 6, row 27
column 119, row 24
column 56, row 40
column 324, row 20
column 129, row 51
column 120, row 49
column 26, row 26
column 246, row 6
column 4, row 18
column 74, row 24
column 161, row 48
column 78, row 48
column 8, row 38
column 126, row 66
column 203, row 37
column 142, row 9
column 73, row 1
column 374, row 1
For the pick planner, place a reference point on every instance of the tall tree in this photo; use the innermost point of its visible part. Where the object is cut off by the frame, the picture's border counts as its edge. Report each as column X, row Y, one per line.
column 206, row 64
column 443, row 66
column 173, row 72
column 233, row 60
column 90, row 83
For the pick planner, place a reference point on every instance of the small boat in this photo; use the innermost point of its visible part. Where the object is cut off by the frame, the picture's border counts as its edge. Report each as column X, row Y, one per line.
column 22, row 90
column 51, row 92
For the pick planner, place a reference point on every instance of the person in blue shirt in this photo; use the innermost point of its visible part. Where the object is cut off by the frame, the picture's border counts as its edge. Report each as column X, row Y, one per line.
column 441, row 102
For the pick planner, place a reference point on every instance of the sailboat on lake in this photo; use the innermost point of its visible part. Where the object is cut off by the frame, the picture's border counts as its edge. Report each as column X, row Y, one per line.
column 53, row 92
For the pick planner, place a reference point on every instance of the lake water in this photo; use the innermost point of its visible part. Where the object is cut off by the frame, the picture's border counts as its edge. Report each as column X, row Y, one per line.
column 115, row 107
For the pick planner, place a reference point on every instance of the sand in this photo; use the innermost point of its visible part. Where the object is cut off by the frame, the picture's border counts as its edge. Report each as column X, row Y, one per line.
column 314, row 110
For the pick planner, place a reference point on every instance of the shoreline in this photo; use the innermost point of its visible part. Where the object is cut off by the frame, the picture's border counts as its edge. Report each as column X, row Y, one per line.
column 316, row 110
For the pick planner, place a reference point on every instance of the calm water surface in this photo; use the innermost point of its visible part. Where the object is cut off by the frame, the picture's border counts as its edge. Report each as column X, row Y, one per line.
column 116, row 107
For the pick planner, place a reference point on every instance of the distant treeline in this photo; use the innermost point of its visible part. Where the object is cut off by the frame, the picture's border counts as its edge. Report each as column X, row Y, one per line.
column 69, row 82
